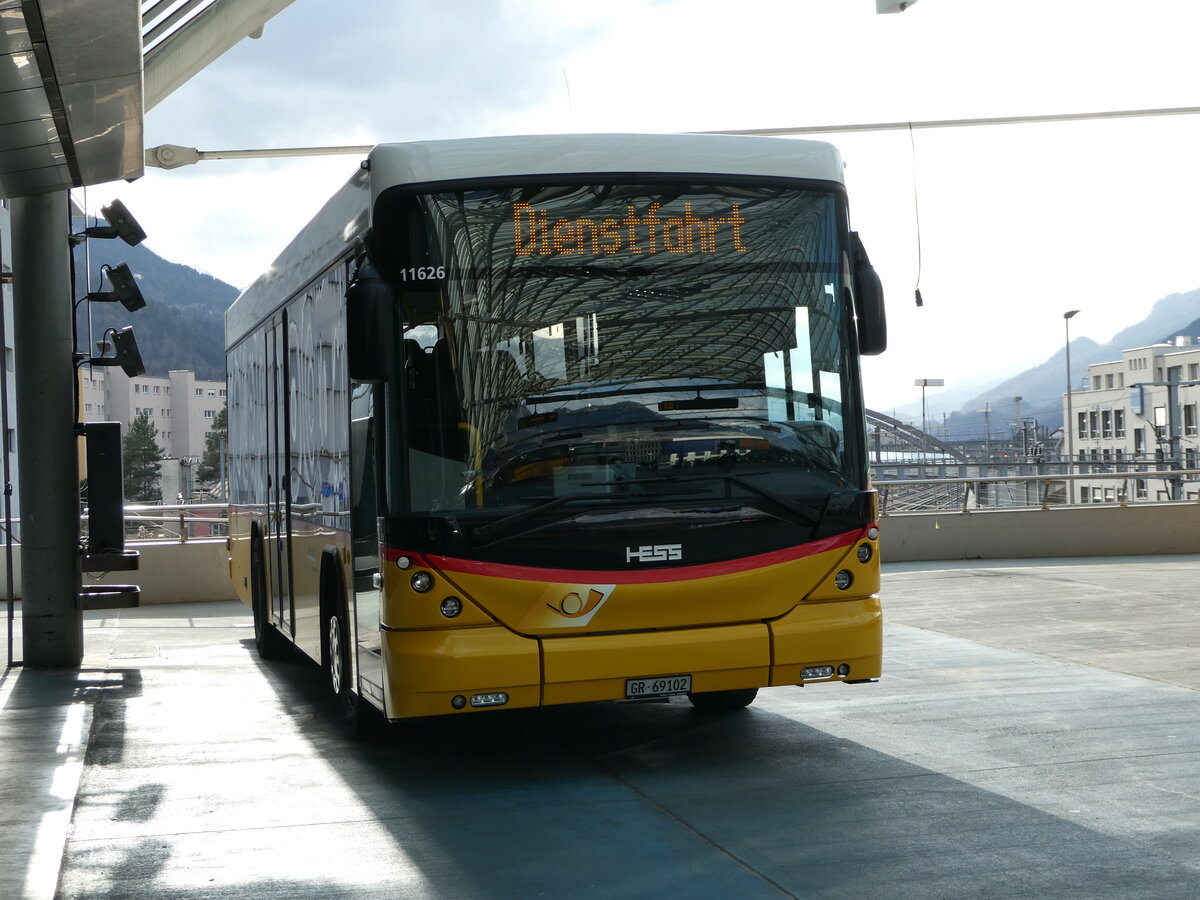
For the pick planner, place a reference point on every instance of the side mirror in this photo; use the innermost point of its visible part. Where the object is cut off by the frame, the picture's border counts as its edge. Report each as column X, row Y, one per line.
column 868, row 295
column 370, row 326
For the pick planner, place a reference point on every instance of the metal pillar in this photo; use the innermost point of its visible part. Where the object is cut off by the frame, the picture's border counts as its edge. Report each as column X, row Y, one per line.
column 1069, row 419
column 1174, row 431
column 52, row 615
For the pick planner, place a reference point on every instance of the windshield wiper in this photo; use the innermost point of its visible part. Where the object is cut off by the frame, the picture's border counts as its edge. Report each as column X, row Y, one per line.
column 501, row 529
column 798, row 513
column 487, row 534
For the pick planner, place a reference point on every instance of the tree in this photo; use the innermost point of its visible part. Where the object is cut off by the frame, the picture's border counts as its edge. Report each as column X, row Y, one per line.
column 210, row 465
column 140, row 455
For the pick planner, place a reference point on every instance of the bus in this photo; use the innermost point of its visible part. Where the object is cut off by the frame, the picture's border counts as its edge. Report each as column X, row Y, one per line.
column 524, row 421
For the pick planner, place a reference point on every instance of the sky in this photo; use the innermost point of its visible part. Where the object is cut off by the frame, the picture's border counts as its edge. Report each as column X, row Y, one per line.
column 1003, row 228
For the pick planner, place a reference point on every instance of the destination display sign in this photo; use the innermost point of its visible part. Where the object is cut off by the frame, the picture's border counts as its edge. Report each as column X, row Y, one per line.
column 538, row 232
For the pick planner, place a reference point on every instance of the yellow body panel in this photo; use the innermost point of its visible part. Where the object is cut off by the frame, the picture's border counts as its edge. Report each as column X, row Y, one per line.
column 565, row 651
column 594, row 667
column 239, row 553
column 541, row 606
column 560, row 642
column 425, row 670
column 828, row 634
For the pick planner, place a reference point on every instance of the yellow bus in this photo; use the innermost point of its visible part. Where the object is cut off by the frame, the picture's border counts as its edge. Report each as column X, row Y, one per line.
column 522, row 421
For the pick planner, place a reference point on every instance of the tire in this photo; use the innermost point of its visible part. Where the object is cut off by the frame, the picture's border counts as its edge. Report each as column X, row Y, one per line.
column 337, row 640
column 723, row 700
column 269, row 643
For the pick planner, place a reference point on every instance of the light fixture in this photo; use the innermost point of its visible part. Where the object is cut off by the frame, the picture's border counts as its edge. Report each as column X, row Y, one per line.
column 495, row 698
column 124, row 288
column 125, row 352
column 121, row 223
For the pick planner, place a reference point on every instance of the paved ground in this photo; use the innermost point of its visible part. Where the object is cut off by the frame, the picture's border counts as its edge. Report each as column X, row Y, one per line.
column 1037, row 732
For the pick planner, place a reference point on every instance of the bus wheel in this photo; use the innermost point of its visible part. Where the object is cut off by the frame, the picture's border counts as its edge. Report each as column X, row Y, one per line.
column 356, row 712
column 269, row 643
column 723, row 700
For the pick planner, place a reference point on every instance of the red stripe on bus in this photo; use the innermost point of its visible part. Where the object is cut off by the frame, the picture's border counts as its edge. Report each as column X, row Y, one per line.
column 625, row 576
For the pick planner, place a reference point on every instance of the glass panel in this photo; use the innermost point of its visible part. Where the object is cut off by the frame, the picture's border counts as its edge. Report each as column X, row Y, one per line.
column 642, row 343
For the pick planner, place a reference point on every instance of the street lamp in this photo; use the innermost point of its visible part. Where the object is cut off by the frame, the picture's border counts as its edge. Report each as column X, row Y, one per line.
column 1069, row 424
column 923, row 383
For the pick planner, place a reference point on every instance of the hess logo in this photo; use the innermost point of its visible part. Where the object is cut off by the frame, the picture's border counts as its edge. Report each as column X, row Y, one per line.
column 573, row 606
column 654, row 553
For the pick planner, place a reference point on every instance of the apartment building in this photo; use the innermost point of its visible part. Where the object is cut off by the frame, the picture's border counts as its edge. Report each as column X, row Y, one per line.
column 181, row 406
column 1129, row 418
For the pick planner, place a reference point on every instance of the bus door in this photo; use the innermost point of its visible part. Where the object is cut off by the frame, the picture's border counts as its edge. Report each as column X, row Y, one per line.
column 278, row 552
column 364, row 526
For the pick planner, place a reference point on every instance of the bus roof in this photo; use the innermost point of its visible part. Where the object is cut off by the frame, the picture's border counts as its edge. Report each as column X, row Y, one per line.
column 580, row 154
column 344, row 219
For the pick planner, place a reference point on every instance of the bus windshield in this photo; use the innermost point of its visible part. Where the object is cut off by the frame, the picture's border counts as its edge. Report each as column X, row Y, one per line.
column 659, row 344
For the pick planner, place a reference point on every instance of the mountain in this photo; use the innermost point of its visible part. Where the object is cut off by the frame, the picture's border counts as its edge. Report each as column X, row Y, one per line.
column 1041, row 388
column 183, row 323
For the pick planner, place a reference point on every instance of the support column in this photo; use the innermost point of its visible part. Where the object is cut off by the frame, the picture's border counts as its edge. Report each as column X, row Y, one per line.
column 51, row 611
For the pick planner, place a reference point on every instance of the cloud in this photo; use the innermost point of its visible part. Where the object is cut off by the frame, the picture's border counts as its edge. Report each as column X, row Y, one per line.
column 1017, row 223
column 380, row 70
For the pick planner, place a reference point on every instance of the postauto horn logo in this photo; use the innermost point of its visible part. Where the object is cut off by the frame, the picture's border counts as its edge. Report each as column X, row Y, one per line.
column 567, row 605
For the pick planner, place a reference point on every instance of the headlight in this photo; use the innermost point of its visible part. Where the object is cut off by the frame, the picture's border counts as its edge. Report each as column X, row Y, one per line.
column 421, row 582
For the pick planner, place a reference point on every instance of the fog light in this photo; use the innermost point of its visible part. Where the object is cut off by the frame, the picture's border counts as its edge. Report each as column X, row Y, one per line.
column 843, row 670
column 459, row 702
column 842, row 580
column 403, row 562
column 451, row 607
column 813, row 672
column 421, row 582
column 873, row 533
column 497, row 699
column 864, row 553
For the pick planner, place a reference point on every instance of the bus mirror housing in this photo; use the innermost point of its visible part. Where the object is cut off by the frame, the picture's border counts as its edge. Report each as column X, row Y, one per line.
column 370, row 326
column 868, row 293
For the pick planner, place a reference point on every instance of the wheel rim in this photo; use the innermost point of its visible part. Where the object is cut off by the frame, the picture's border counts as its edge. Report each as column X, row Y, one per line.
column 335, row 654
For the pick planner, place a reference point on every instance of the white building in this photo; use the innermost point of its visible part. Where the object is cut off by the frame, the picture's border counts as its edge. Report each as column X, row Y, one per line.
column 179, row 405
column 1125, row 422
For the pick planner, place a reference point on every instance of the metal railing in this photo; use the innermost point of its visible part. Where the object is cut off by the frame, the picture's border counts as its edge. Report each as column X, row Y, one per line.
column 966, row 492
column 178, row 522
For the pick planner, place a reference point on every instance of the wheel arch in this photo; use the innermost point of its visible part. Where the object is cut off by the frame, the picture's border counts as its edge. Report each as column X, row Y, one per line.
column 334, row 600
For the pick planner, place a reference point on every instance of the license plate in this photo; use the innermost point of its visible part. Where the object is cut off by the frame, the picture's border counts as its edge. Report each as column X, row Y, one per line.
column 665, row 686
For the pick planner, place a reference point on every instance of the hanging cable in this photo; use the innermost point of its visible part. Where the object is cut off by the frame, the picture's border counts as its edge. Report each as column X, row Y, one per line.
column 912, row 143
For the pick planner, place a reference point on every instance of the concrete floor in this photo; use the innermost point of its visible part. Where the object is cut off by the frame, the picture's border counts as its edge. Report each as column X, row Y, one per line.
column 1037, row 732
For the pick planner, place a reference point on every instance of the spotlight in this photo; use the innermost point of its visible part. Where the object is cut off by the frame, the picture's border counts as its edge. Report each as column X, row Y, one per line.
column 121, row 223
column 124, row 288
column 126, row 353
